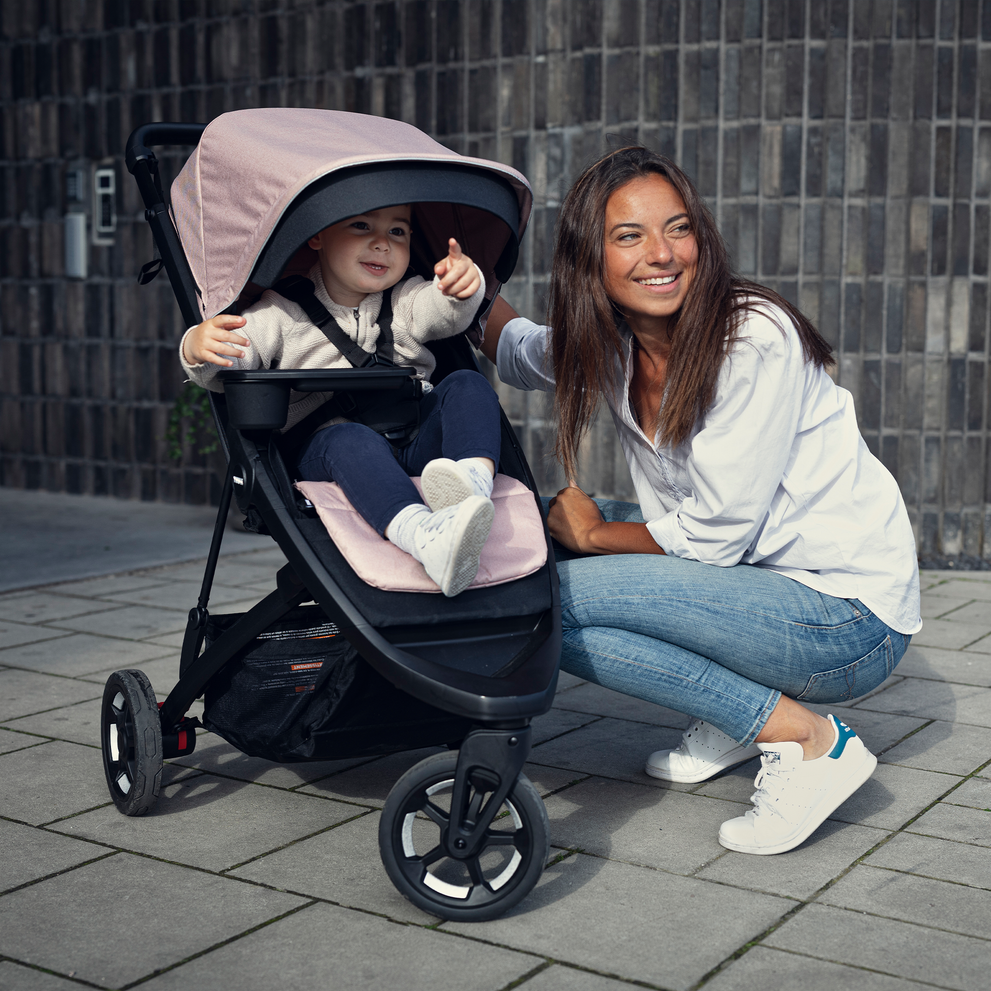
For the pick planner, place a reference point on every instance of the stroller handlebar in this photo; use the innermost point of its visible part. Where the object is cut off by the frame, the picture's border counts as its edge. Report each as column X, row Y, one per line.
column 158, row 133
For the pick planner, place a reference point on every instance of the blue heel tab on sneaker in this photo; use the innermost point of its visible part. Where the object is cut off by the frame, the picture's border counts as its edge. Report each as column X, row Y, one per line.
column 844, row 733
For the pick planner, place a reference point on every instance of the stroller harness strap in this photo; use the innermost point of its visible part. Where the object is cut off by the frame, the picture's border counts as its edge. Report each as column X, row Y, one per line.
column 395, row 413
column 301, row 291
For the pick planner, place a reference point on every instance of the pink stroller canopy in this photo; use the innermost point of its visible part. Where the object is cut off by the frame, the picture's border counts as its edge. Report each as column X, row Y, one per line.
column 261, row 182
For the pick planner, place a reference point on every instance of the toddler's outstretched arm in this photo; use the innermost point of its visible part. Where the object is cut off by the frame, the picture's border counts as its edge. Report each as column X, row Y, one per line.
column 457, row 273
column 213, row 339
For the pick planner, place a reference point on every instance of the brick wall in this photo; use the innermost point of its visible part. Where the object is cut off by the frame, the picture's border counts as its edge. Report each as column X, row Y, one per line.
column 844, row 145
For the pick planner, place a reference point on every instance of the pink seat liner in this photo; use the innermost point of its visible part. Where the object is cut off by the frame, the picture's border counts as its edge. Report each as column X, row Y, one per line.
column 516, row 546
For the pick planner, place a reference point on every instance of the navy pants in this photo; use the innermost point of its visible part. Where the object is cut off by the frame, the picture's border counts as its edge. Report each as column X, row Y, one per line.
column 458, row 419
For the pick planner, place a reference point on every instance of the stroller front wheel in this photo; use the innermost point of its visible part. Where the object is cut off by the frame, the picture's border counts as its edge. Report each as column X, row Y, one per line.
column 412, row 843
column 131, row 740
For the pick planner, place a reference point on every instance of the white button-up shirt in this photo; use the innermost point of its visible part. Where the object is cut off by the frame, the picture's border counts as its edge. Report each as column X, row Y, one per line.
column 775, row 475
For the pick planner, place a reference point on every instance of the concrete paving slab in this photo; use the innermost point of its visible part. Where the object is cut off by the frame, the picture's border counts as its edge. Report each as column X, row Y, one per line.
column 215, row 755
column 975, row 793
column 900, row 949
column 954, row 822
column 65, row 536
column 649, row 926
column 210, row 822
column 893, row 795
column 943, row 746
column 937, row 606
column 931, row 857
column 163, row 672
column 122, row 918
column 557, row 722
column 637, row 824
column 15, row 977
column 935, row 700
column 982, row 646
column 566, row 681
column 106, row 586
column 12, row 634
column 24, row 692
column 324, row 946
column 341, row 865
column 561, row 978
column 131, row 622
column 602, row 702
column 30, row 854
column 975, row 613
column 934, row 664
column 801, row 872
column 43, row 606
column 761, row 967
column 973, row 586
column 233, row 571
column 180, row 595
column 612, row 748
column 921, row 900
column 79, row 723
column 11, row 740
column 78, row 655
column 550, row 779
column 51, row 781
column 950, row 634
column 368, row 784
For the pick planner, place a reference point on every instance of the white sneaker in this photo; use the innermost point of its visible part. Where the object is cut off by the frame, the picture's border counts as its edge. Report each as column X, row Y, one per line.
column 704, row 751
column 448, row 543
column 794, row 796
column 446, row 482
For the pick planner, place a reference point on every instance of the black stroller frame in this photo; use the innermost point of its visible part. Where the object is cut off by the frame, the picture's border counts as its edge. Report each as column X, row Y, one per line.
column 486, row 660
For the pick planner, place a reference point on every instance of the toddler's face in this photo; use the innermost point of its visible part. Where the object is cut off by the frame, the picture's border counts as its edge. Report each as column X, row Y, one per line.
column 364, row 254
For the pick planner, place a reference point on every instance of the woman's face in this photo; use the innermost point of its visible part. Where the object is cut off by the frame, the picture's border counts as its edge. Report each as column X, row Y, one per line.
column 650, row 254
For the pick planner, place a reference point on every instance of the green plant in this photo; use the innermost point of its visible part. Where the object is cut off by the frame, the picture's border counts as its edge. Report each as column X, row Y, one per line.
column 191, row 418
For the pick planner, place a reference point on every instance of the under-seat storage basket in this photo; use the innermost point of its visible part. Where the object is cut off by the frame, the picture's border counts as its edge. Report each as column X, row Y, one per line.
column 300, row 691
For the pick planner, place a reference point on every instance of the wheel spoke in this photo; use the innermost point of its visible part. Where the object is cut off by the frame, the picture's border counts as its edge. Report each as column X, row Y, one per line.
column 495, row 838
column 475, row 873
column 438, row 815
column 432, row 856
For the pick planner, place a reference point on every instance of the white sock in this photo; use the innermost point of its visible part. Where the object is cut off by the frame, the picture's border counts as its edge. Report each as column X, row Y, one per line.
column 402, row 529
column 481, row 477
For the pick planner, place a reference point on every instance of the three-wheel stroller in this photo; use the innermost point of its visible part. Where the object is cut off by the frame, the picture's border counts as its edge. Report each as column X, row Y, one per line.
column 364, row 670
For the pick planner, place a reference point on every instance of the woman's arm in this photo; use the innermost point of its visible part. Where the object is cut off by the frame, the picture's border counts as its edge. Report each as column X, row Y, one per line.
column 500, row 314
column 574, row 521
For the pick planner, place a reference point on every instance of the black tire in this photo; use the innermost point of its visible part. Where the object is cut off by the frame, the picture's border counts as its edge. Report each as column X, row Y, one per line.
column 131, row 739
column 484, row 887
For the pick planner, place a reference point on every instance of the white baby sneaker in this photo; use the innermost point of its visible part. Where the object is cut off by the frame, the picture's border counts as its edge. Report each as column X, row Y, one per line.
column 448, row 543
column 704, row 751
column 446, row 482
column 795, row 796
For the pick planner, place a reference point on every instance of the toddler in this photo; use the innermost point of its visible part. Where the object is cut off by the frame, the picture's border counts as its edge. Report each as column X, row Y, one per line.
column 456, row 450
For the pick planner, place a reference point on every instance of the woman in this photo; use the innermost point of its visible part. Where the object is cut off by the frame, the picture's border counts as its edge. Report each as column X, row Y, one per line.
column 772, row 558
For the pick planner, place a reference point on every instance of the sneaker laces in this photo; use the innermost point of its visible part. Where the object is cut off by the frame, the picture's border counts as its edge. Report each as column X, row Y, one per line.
column 771, row 773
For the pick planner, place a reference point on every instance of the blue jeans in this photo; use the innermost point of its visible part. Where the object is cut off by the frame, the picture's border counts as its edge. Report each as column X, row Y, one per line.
column 458, row 419
column 720, row 644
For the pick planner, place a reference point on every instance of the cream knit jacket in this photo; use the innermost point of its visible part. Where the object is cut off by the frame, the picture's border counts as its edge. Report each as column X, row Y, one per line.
column 282, row 335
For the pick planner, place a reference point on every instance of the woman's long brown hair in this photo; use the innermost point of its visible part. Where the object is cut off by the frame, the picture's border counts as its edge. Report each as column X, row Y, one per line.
column 586, row 341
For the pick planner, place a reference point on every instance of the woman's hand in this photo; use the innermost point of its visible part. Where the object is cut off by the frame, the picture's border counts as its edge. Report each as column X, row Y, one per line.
column 457, row 273
column 213, row 339
column 572, row 517
column 575, row 522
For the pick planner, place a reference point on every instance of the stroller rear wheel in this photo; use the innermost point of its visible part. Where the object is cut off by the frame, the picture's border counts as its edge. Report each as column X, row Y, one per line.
column 412, row 838
column 131, row 739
